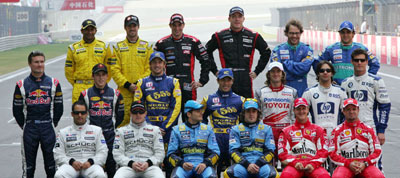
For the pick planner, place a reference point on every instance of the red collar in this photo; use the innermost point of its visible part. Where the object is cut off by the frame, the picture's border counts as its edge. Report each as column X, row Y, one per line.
column 300, row 125
column 276, row 89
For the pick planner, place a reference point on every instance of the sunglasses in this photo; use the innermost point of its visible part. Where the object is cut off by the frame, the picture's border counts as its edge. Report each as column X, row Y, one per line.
column 325, row 70
column 138, row 111
column 79, row 112
column 358, row 60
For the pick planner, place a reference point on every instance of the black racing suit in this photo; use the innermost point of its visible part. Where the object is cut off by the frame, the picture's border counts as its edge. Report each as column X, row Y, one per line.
column 180, row 55
column 236, row 51
column 104, row 105
column 39, row 97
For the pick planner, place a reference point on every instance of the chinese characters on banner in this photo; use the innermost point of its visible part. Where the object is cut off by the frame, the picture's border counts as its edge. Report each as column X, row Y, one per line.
column 78, row 5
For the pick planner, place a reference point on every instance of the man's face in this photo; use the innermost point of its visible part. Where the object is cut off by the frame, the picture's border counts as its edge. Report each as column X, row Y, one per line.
column 132, row 30
column 301, row 113
column 157, row 67
column 360, row 63
column 195, row 115
column 88, row 33
column 37, row 65
column 250, row 115
column 138, row 116
column 275, row 75
column 225, row 84
column 177, row 29
column 293, row 35
column 100, row 79
column 350, row 112
column 325, row 73
column 346, row 36
column 236, row 21
column 79, row 114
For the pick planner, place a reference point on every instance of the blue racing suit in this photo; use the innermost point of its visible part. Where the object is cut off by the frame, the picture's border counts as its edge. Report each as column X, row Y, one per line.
column 340, row 57
column 194, row 144
column 251, row 144
column 223, row 109
column 33, row 102
column 297, row 62
column 162, row 99
column 104, row 105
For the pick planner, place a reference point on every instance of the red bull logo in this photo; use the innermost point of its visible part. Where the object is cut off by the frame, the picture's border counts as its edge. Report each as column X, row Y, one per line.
column 101, row 105
column 40, row 97
column 101, row 108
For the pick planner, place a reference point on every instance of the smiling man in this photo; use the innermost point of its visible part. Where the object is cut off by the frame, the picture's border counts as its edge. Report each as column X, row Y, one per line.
column 295, row 56
column 339, row 54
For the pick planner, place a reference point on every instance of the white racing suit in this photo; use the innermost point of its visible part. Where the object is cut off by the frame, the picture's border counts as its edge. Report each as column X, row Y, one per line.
column 138, row 143
column 83, row 143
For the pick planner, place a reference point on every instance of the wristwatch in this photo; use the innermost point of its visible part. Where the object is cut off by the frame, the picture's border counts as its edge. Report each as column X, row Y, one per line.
column 366, row 163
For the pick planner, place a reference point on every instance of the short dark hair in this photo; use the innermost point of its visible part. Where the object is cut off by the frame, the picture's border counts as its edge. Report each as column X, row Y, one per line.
column 242, row 118
column 358, row 52
column 79, row 102
column 34, row 54
column 295, row 23
column 319, row 65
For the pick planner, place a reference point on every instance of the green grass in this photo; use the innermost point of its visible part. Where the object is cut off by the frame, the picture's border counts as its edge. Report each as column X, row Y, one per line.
column 17, row 58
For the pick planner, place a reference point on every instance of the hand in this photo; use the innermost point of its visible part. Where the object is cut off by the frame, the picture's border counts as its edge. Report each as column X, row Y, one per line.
column 381, row 137
column 253, row 75
column 355, row 167
column 77, row 165
column 162, row 132
column 216, row 74
column 132, row 88
column 196, row 85
column 200, row 168
column 299, row 166
column 143, row 166
column 253, row 168
column 137, row 167
column 187, row 166
column 86, row 165
column 309, row 168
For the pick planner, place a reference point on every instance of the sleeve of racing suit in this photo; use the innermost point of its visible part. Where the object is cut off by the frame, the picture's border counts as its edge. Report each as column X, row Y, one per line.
column 119, row 149
column 211, row 46
column 343, row 97
column 257, row 96
column 18, row 105
column 269, row 148
column 147, row 66
column 206, row 111
column 60, row 157
column 202, row 55
column 383, row 105
column 334, row 150
column 58, row 106
column 265, row 53
column 307, row 95
column 139, row 92
column 284, row 148
column 213, row 151
column 119, row 109
column 234, row 148
column 70, row 65
column 101, row 149
column 373, row 63
column 299, row 68
column 322, row 149
column 174, row 107
column 158, row 148
column 374, row 147
column 116, row 68
column 110, row 56
column 173, row 152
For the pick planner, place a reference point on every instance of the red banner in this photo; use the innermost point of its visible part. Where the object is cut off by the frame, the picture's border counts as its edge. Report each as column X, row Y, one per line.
column 12, row 1
column 78, row 5
column 373, row 45
column 383, row 50
column 113, row 9
column 394, row 56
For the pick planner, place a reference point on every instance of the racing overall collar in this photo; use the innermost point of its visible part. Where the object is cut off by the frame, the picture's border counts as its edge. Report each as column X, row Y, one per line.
column 132, row 42
column 346, row 47
column 250, row 125
column 193, row 126
column 79, row 127
column 236, row 32
column 361, row 77
column 158, row 78
column 33, row 78
column 224, row 94
column 178, row 39
column 276, row 89
column 323, row 89
column 100, row 91
column 138, row 126
column 300, row 125
column 352, row 124
column 291, row 47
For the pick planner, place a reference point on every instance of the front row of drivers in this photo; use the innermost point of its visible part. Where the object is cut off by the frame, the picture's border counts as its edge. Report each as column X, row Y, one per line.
column 193, row 150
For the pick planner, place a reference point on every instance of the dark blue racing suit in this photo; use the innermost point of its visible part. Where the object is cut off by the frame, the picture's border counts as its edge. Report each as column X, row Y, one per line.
column 37, row 97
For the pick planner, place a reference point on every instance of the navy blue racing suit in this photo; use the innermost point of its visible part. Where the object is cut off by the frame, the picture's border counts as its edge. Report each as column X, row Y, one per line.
column 297, row 62
column 251, row 144
column 104, row 105
column 194, row 144
column 38, row 96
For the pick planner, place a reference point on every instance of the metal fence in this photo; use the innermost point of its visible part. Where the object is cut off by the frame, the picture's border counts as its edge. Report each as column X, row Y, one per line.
column 16, row 20
column 385, row 19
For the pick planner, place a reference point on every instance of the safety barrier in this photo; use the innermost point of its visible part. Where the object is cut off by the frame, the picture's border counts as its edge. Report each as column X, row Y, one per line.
column 385, row 48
